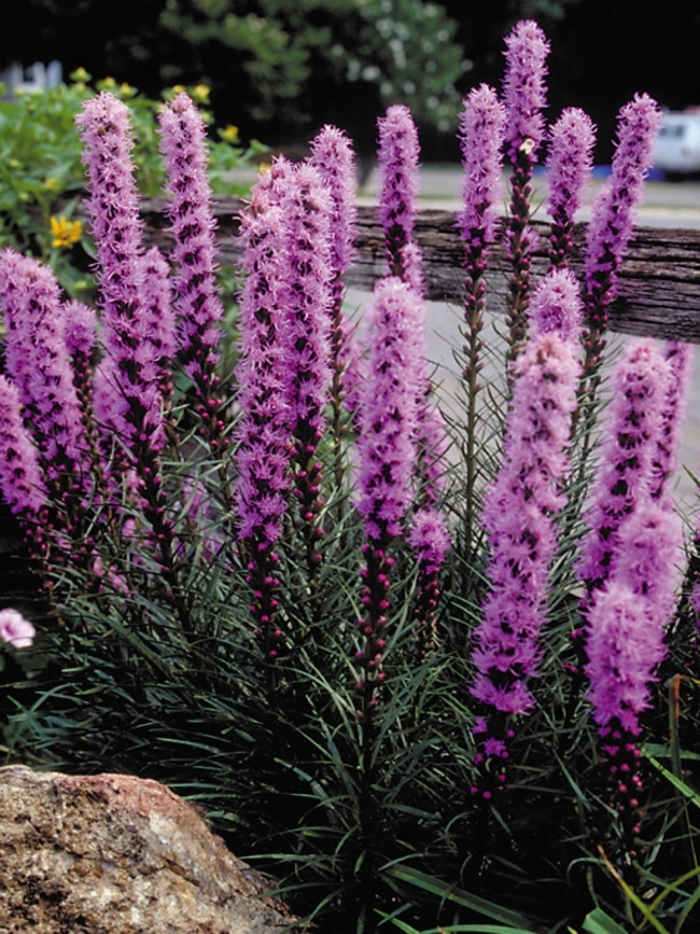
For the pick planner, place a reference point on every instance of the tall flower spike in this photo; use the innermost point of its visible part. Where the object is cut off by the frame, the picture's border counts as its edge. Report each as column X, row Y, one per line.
column 199, row 308
column 556, row 306
column 306, row 331
column 332, row 155
column 482, row 125
column 398, row 156
column 21, row 478
column 640, row 387
column 524, row 95
column 263, row 453
column 569, row 164
column 679, row 356
column 39, row 364
column 113, row 208
column 612, row 216
column 519, row 516
column 386, row 455
column 625, row 643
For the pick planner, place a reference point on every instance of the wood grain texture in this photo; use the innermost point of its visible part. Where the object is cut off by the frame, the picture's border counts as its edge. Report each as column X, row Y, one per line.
column 659, row 285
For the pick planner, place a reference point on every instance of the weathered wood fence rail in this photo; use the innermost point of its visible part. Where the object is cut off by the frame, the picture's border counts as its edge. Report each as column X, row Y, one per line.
column 659, row 286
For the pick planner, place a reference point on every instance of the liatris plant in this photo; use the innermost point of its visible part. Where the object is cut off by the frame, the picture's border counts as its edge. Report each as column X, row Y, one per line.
column 569, row 163
column 264, row 452
column 482, row 126
column 199, row 306
column 387, row 457
column 519, row 516
column 334, row 722
column 398, row 155
column 612, row 217
column 524, row 97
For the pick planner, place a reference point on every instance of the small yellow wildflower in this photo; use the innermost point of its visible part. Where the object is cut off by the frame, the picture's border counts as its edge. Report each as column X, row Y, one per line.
column 229, row 134
column 80, row 75
column 200, row 93
column 178, row 89
column 126, row 90
column 51, row 183
column 65, row 233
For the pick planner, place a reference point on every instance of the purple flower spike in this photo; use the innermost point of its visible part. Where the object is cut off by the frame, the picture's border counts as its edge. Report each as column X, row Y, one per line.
column 199, row 308
column 332, row 155
column 613, row 212
column 386, row 446
column 263, row 455
column 21, row 477
column 524, row 97
column 387, row 458
column 640, row 388
column 524, row 90
column 557, row 306
column 569, row 162
column 398, row 156
column 39, row 364
column 627, row 619
column 679, row 356
column 481, row 127
column 430, row 540
column 113, row 208
column 519, row 516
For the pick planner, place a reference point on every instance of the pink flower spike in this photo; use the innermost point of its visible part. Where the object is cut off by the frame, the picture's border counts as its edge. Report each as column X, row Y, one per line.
column 481, row 128
column 524, row 89
column 15, row 629
column 398, row 155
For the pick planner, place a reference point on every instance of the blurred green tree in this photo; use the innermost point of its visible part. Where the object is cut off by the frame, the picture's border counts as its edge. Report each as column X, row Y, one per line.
column 273, row 65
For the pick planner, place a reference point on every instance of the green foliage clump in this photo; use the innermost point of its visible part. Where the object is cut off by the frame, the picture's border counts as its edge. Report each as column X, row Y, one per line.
column 42, row 177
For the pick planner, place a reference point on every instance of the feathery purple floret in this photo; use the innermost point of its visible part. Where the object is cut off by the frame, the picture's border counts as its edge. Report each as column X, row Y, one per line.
column 199, row 308
column 613, row 212
column 519, row 517
column 622, row 480
column 628, row 616
column 263, row 453
column 306, row 297
column 481, row 129
column 113, row 209
column 21, row 478
column 569, row 163
column 398, row 156
column 679, row 356
column 556, row 305
column 333, row 157
column 386, row 445
column 524, row 89
column 37, row 360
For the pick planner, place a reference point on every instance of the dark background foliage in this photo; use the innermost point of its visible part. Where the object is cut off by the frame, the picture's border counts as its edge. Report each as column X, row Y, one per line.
column 279, row 69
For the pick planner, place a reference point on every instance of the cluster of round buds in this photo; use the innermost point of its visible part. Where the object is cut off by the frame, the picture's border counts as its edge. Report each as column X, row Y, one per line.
column 490, row 758
column 620, row 765
column 261, row 577
column 308, row 487
column 372, row 626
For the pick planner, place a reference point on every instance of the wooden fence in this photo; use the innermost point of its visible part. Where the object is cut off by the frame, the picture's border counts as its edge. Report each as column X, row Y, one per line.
column 659, row 284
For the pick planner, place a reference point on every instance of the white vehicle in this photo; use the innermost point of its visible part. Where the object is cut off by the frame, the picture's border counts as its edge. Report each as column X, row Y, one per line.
column 677, row 144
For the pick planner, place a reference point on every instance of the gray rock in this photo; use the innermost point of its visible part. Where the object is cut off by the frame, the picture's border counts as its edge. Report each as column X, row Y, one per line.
column 115, row 854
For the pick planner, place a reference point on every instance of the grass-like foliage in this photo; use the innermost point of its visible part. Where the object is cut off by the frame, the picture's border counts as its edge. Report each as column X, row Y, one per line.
column 424, row 668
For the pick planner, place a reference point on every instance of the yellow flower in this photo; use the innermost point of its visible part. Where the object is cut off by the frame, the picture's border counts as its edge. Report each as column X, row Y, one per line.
column 65, row 233
column 229, row 134
column 126, row 90
column 178, row 89
column 80, row 75
column 51, row 183
column 201, row 93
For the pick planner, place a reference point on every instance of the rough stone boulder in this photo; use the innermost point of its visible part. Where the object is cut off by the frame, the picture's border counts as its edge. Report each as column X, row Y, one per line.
column 114, row 854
